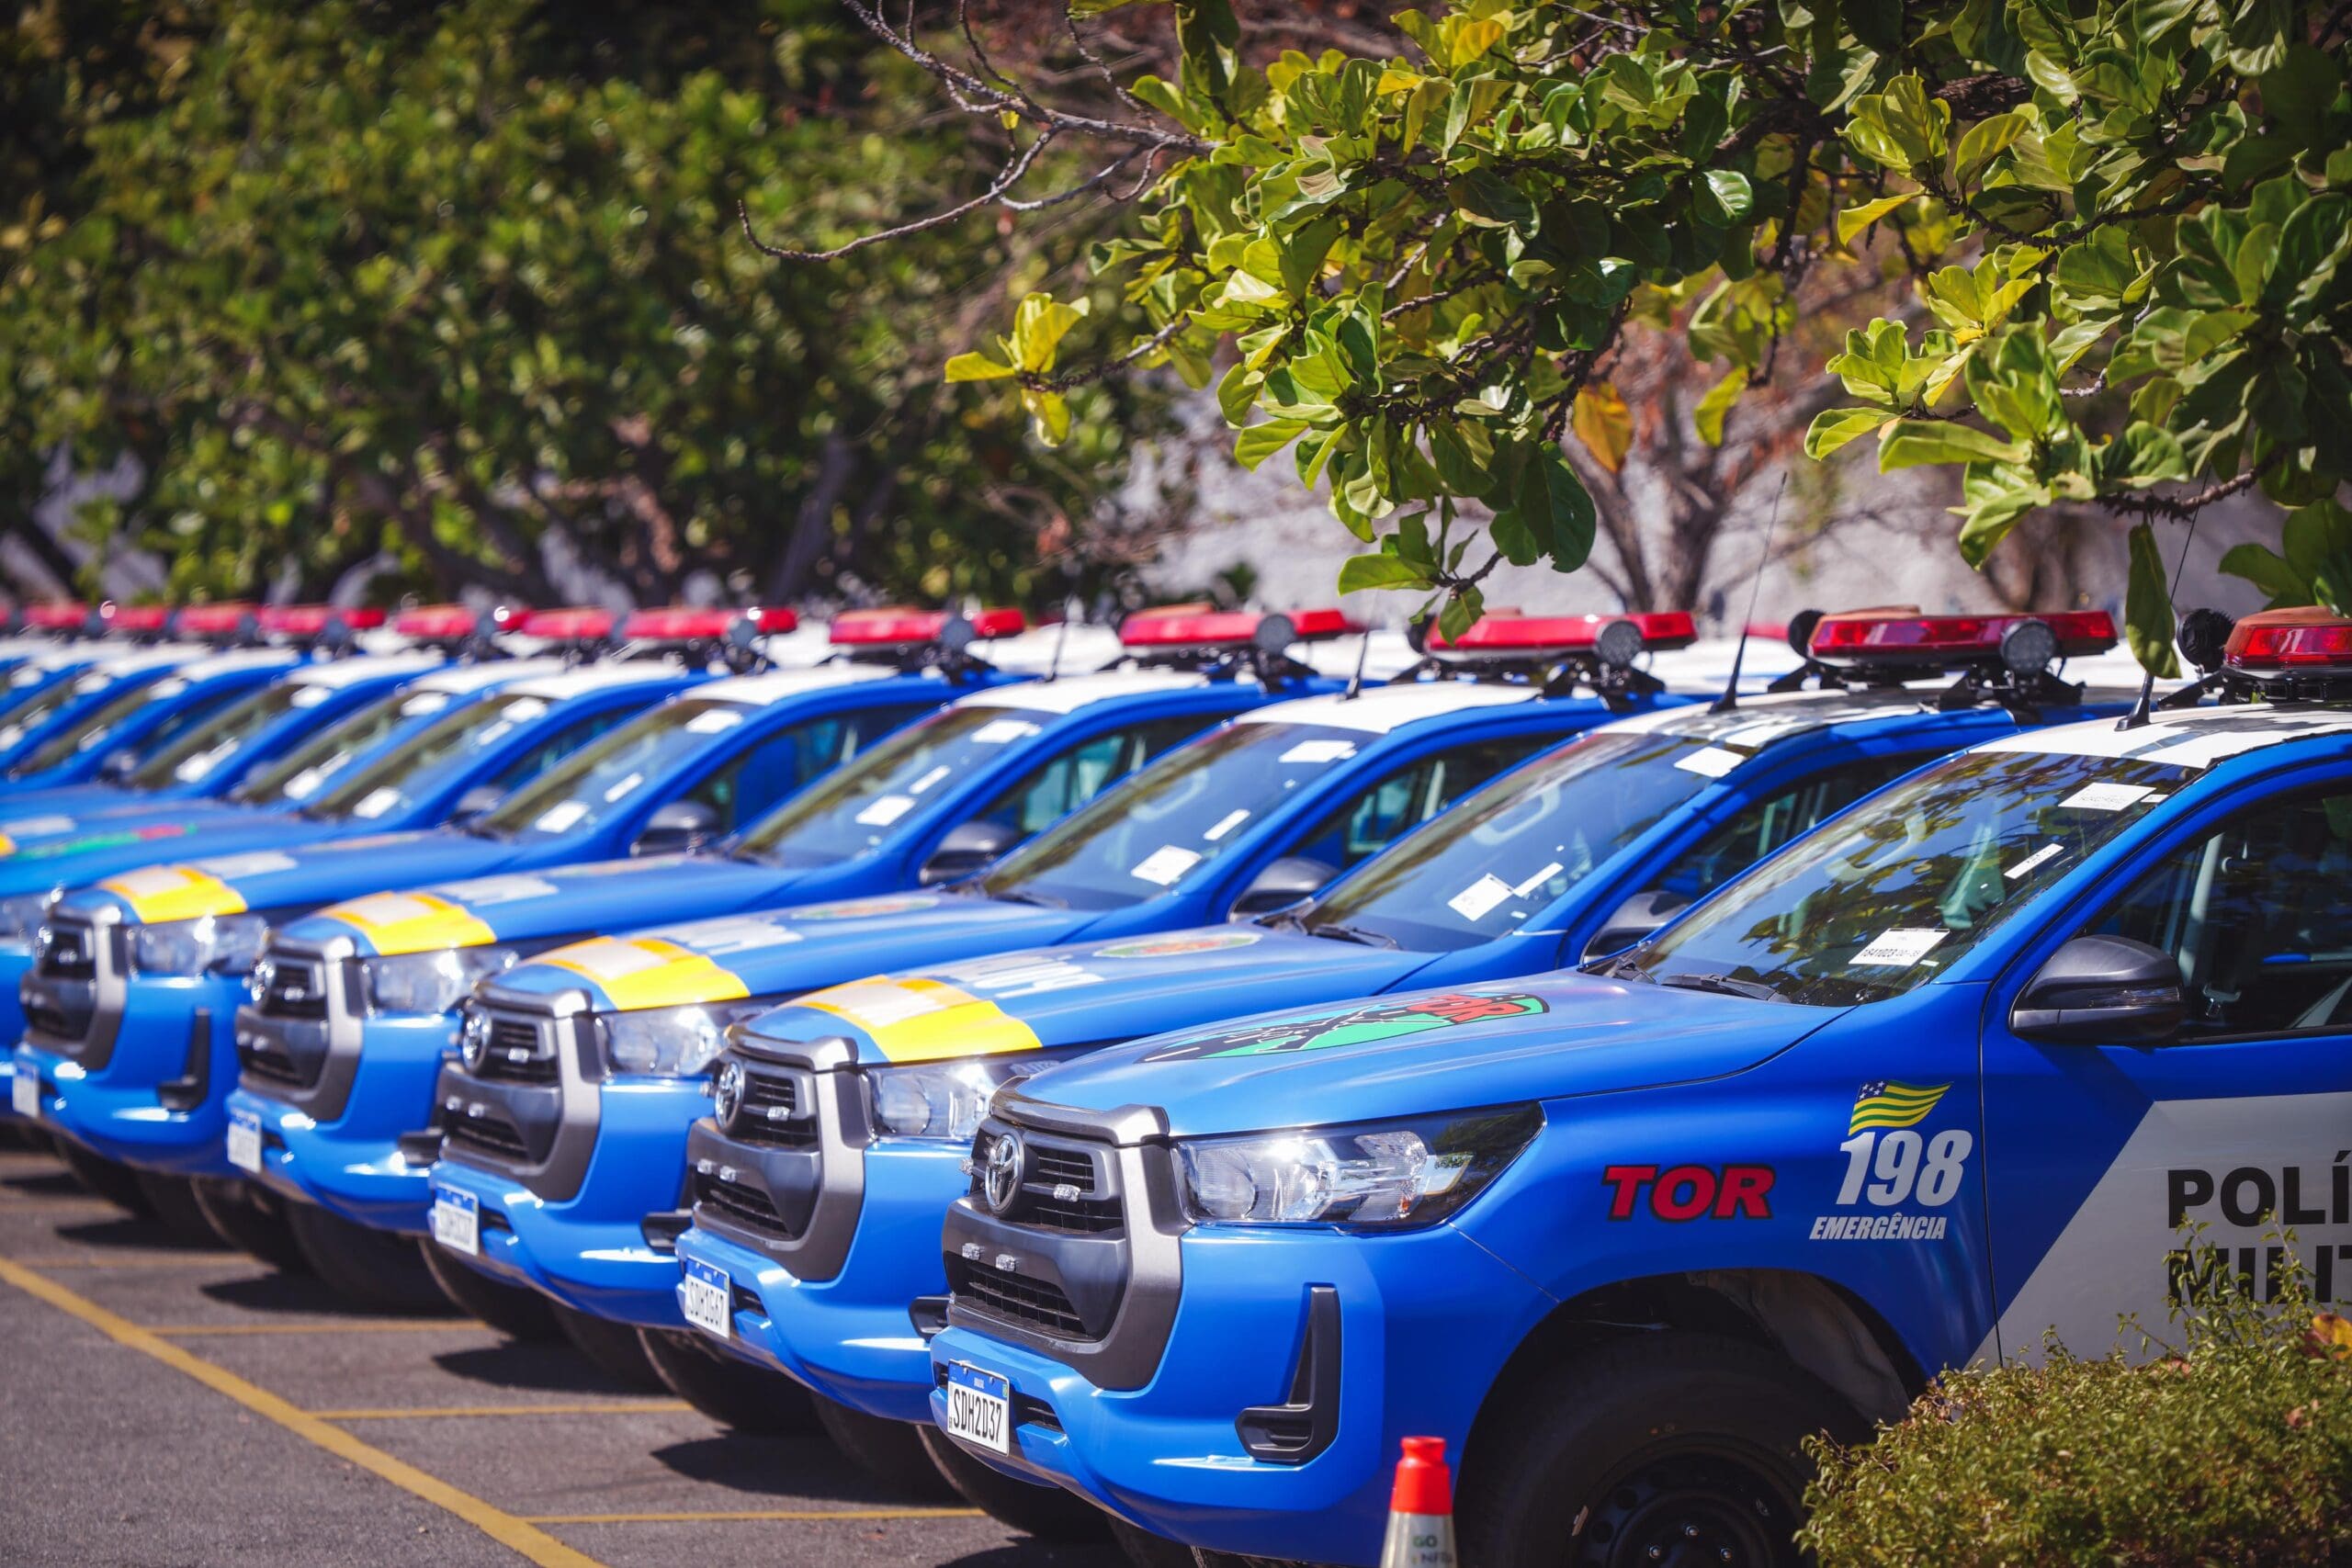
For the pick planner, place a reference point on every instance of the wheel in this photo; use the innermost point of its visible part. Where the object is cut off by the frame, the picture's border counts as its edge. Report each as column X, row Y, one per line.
column 891, row 1451
column 118, row 1184
column 513, row 1311
column 173, row 1199
column 1656, row 1447
column 253, row 1218
column 1145, row 1550
column 374, row 1268
column 730, row 1391
column 613, row 1348
column 1046, row 1512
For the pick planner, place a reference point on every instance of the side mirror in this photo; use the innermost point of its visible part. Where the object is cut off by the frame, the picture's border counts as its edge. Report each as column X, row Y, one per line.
column 1284, row 882
column 1632, row 920
column 2106, row 990
column 116, row 766
column 679, row 826
column 476, row 801
column 967, row 847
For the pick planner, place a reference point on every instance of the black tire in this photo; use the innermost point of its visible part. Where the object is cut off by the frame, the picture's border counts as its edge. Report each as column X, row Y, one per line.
column 729, row 1390
column 1615, row 1458
column 253, row 1218
column 891, row 1451
column 173, row 1199
column 378, row 1270
column 118, row 1184
column 1144, row 1549
column 613, row 1348
column 1046, row 1512
column 515, row 1311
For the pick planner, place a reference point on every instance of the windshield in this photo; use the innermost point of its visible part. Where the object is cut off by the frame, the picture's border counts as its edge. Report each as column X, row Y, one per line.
column 1878, row 901
column 596, row 782
column 417, row 769
column 92, row 730
column 303, row 772
column 852, row 810
column 1172, row 819
column 198, row 754
column 1485, row 868
column 40, row 709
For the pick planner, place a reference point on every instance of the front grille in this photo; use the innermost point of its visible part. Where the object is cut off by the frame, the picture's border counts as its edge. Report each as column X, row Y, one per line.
column 1035, row 1301
column 515, row 1054
column 67, row 950
column 292, row 987
column 741, row 1202
column 1054, row 1190
column 264, row 1057
column 481, row 1127
column 45, row 1017
column 770, row 1105
column 1062, row 1167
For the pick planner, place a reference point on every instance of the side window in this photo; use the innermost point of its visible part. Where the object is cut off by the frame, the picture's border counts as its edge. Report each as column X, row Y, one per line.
column 187, row 718
column 1059, row 785
column 554, row 747
column 1401, row 800
column 1765, row 824
column 2256, row 916
column 743, row 790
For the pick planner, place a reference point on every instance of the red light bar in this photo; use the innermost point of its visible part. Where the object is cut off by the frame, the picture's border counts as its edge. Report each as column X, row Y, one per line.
column 1902, row 635
column 577, row 624
column 436, row 622
column 1508, row 633
column 57, row 616
column 903, row 627
column 213, row 620
column 773, row 620
column 1198, row 625
column 2290, row 639
column 310, row 620
column 675, row 624
column 137, row 618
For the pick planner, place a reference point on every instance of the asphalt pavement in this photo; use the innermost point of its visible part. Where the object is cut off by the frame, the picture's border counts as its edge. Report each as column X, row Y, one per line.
column 169, row 1406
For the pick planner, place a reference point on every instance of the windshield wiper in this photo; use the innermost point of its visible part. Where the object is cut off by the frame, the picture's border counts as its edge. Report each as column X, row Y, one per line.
column 1724, row 984
column 1023, row 896
column 479, row 828
column 1358, row 934
column 1624, row 966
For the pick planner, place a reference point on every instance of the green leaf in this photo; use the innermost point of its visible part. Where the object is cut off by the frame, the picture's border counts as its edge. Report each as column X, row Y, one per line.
column 1360, row 572
column 1709, row 414
column 1723, row 197
column 1854, row 220
column 2271, row 572
column 1552, row 505
column 977, row 367
column 1604, row 425
column 1981, row 142
column 1038, row 328
column 2148, row 621
column 2318, row 540
column 1910, row 443
column 1261, row 441
column 1833, row 428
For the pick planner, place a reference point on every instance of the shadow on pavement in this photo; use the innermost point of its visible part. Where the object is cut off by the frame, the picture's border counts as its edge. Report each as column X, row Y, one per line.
column 128, row 1230
column 549, row 1368
column 1027, row 1553
column 274, row 1291
column 776, row 1467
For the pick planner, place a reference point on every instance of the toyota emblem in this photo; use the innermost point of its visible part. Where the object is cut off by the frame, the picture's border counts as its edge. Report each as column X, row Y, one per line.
column 473, row 1039
column 727, row 1098
column 1001, row 1178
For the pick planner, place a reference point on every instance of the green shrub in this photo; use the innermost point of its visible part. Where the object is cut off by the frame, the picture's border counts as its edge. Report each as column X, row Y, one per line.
column 2234, row 1447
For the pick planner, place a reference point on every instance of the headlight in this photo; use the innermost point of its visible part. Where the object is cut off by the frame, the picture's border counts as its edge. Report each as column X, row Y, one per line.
column 1396, row 1177
column 941, row 1100
column 670, row 1042
column 21, row 916
column 217, row 944
column 428, row 983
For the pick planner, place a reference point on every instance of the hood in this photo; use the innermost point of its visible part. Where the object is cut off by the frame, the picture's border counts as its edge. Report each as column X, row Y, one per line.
column 783, row 952
column 1081, row 993
column 161, row 830
column 266, row 880
column 22, row 827
column 1420, row 1052
column 80, row 859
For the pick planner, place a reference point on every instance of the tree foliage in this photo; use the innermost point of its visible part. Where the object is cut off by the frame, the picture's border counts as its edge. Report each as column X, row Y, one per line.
column 2125, row 223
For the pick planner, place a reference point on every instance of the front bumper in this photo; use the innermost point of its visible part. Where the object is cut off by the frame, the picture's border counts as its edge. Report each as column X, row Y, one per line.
column 857, row 1336
column 353, row 1166
column 1169, row 1455
column 16, row 962
column 588, row 1250
column 157, row 1096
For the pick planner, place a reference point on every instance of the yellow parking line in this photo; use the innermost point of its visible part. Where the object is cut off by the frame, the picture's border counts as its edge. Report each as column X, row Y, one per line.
column 394, row 1325
column 440, row 1412
column 519, row 1536
column 803, row 1515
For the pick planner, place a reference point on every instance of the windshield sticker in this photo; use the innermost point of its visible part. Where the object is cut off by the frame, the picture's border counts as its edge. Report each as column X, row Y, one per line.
column 1476, row 901
column 715, row 721
column 556, row 818
column 646, row 972
column 261, row 863
column 192, row 769
column 1890, row 1167
column 2104, row 797
column 1002, row 731
column 734, row 933
column 25, row 677
column 929, row 779
column 1227, row 823
column 308, row 696
column 376, row 802
column 924, row 1021
column 1363, row 1023
column 1319, row 751
column 492, row 890
column 623, row 787
column 304, row 785
column 1180, row 946
column 36, row 827
column 1165, row 864
column 1899, row 948
column 412, row 922
column 1522, row 889
column 424, row 703
column 885, row 810
column 171, row 688
column 2040, row 857
column 866, row 908
column 1019, row 974
column 1709, row 762
column 161, row 893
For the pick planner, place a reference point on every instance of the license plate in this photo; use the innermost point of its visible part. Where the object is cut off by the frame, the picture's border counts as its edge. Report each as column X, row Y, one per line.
column 979, row 1407
column 457, row 1221
column 707, row 1296
column 24, row 1091
column 245, row 1141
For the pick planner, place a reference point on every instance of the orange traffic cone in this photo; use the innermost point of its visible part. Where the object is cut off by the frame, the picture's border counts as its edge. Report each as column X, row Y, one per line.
column 1421, row 1510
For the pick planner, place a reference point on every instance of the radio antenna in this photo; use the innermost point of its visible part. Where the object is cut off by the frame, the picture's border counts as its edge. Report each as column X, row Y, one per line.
column 1061, row 634
column 1363, row 652
column 1729, row 700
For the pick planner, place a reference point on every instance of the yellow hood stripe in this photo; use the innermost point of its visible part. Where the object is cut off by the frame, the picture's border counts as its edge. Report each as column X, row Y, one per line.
column 161, row 893
column 412, row 922
column 644, row 972
column 925, row 1020
column 7, row 845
